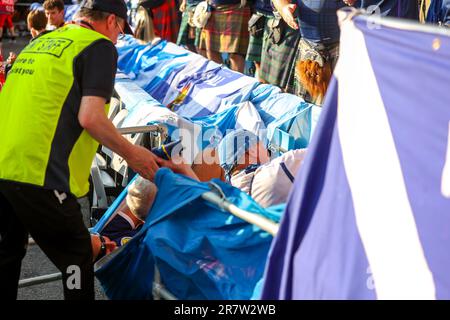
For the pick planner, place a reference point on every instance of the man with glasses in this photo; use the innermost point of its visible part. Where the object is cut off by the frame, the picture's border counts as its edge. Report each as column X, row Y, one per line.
column 54, row 115
column 121, row 32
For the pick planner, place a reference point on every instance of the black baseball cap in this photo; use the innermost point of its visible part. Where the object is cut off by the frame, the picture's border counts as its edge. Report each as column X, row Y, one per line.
column 117, row 7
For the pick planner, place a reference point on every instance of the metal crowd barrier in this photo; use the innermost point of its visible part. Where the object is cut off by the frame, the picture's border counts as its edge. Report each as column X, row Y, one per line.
column 252, row 218
column 158, row 290
column 39, row 280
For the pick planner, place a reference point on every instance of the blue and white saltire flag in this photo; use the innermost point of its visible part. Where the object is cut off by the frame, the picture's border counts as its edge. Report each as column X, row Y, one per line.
column 369, row 214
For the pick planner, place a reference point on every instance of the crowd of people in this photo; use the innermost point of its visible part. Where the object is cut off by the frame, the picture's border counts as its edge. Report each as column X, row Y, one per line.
column 292, row 44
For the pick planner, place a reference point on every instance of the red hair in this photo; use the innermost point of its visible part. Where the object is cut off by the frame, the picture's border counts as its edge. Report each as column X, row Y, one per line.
column 314, row 78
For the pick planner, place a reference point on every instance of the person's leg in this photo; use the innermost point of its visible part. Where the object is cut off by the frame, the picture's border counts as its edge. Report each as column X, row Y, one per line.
column 254, row 53
column 13, row 241
column 10, row 26
column 56, row 224
column 199, row 46
column 12, row 34
column 257, row 68
column 237, row 62
column 185, row 34
column 202, row 52
column 214, row 56
column 2, row 23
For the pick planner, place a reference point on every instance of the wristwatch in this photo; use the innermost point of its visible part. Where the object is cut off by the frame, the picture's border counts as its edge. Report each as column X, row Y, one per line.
column 102, row 252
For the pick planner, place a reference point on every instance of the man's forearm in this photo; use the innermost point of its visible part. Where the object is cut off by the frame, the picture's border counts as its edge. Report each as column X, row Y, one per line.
column 287, row 11
column 92, row 118
column 101, row 128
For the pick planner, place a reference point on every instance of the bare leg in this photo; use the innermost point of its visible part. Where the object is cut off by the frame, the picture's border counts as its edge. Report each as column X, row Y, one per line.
column 1, row 37
column 257, row 68
column 214, row 56
column 190, row 47
column 202, row 52
column 237, row 62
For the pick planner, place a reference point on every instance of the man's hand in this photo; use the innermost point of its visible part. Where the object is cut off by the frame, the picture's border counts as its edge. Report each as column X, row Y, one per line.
column 349, row 2
column 92, row 118
column 142, row 161
column 12, row 57
column 178, row 165
column 287, row 13
column 183, row 6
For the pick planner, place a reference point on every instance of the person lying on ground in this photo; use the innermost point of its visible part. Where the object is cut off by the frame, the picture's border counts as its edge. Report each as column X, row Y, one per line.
column 206, row 165
column 129, row 219
column 247, row 166
column 204, row 168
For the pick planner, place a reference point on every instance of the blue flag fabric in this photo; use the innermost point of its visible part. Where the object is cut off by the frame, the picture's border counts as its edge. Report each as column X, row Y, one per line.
column 201, row 251
column 368, row 214
column 193, row 86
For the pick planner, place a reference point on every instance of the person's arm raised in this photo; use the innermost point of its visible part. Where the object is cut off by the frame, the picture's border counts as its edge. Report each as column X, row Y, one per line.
column 93, row 119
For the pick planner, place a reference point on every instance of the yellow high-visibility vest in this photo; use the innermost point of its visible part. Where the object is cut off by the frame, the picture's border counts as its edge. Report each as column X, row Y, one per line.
column 41, row 140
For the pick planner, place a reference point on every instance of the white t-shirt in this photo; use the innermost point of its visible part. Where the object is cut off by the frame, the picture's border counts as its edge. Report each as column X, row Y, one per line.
column 271, row 183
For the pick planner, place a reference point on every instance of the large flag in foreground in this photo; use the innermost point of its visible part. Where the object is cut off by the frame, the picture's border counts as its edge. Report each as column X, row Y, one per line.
column 369, row 215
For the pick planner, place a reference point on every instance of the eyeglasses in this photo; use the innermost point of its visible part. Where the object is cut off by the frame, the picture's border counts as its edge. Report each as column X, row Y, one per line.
column 121, row 34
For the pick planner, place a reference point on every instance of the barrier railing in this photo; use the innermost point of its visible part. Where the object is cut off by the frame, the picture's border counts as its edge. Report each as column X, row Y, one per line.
column 40, row 280
column 253, row 218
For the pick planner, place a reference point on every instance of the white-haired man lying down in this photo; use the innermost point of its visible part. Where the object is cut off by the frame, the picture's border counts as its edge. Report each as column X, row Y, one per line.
column 128, row 220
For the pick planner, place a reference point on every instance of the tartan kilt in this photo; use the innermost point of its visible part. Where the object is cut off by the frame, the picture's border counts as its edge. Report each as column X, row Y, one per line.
column 277, row 60
column 227, row 30
column 188, row 35
column 254, row 49
column 331, row 50
column 165, row 21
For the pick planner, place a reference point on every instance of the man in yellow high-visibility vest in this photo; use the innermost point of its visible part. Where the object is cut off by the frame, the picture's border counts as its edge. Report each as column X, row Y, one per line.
column 53, row 117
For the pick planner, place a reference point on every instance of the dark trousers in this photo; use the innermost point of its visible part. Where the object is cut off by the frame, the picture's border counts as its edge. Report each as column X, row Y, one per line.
column 57, row 227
